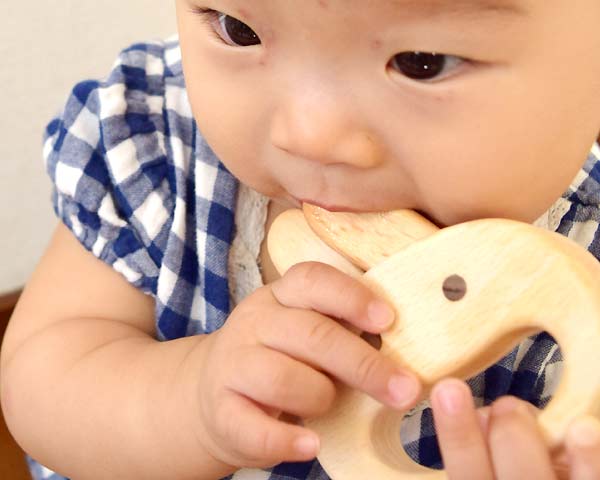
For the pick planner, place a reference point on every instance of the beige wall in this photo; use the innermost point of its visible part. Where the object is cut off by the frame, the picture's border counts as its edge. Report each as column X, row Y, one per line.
column 45, row 48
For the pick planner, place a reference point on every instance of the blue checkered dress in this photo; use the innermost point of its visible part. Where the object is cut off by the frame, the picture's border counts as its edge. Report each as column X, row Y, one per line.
column 139, row 187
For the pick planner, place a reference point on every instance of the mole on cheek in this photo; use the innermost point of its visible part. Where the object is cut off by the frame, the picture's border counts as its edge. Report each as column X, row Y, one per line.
column 324, row 4
column 376, row 44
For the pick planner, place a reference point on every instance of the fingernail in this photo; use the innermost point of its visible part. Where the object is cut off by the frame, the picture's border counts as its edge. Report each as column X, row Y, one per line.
column 483, row 414
column 403, row 390
column 585, row 432
column 508, row 405
column 452, row 398
column 380, row 314
column 307, row 445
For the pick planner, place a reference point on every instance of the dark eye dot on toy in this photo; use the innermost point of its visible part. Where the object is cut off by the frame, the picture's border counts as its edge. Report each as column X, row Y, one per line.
column 454, row 288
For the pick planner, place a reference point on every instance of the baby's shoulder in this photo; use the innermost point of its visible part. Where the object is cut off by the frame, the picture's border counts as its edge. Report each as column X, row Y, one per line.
column 132, row 131
column 120, row 154
column 140, row 188
column 142, row 94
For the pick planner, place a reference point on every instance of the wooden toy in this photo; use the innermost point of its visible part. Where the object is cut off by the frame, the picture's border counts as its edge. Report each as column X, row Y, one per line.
column 464, row 297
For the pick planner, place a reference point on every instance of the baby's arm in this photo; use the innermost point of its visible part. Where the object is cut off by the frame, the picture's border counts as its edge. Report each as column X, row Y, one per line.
column 86, row 389
column 112, row 402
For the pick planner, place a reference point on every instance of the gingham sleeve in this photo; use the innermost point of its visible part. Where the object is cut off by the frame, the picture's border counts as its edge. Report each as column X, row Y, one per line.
column 106, row 158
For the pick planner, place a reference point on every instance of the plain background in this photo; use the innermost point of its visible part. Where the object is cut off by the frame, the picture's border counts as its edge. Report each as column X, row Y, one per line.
column 46, row 47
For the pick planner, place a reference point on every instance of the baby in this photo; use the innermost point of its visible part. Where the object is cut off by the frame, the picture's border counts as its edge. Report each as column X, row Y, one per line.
column 181, row 354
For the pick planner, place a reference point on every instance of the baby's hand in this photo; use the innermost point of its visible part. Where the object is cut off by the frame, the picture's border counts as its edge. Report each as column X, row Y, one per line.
column 277, row 354
column 503, row 441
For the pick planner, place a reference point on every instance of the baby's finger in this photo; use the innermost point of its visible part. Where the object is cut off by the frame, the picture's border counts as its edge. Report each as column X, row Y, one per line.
column 484, row 416
column 461, row 439
column 320, row 287
column 583, row 448
column 276, row 380
column 517, row 447
column 561, row 465
column 560, row 461
column 255, row 439
column 317, row 340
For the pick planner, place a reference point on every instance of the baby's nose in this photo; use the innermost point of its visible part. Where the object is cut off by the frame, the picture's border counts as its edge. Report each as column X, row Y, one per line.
column 324, row 129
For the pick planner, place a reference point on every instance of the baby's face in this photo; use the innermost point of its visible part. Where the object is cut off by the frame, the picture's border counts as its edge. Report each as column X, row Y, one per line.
column 460, row 109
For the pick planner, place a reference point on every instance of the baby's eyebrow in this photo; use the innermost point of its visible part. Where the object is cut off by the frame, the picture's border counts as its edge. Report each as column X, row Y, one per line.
column 462, row 7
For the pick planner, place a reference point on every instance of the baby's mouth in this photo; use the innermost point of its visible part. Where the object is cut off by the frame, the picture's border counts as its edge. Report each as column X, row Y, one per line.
column 343, row 209
column 329, row 207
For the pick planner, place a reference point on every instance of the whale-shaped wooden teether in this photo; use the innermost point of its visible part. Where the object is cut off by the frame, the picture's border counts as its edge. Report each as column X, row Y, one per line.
column 465, row 295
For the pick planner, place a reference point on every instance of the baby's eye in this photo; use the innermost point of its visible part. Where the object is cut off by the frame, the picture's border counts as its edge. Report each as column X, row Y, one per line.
column 235, row 32
column 424, row 66
column 232, row 31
